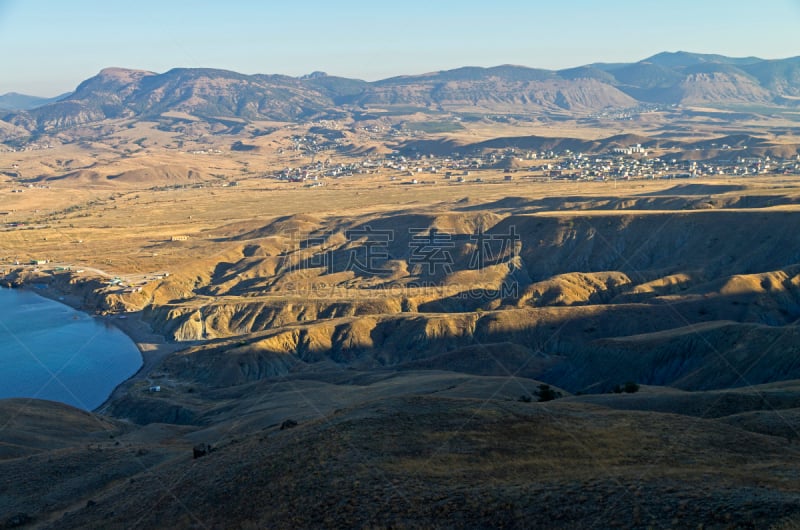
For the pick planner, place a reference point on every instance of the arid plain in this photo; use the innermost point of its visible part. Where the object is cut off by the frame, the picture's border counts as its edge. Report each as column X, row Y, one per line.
column 379, row 322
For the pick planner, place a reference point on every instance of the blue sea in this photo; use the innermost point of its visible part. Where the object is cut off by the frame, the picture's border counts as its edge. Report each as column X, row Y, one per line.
column 50, row 351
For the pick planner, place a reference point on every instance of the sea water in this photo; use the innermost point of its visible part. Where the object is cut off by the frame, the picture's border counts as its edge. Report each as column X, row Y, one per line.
column 50, row 351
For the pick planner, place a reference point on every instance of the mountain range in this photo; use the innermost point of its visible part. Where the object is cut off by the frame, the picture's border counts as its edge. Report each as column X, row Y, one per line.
column 665, row 79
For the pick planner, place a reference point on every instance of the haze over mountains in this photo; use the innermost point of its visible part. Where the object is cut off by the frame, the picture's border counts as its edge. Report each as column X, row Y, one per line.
column 664, row 79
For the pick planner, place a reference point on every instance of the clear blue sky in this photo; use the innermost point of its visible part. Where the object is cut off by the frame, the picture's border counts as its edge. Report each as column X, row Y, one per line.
column 48, row 47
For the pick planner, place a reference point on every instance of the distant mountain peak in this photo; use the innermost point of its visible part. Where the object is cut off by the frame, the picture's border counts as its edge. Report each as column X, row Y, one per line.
column 123, row 74
column 684, row 59
column 14, row 101
column 314, row 75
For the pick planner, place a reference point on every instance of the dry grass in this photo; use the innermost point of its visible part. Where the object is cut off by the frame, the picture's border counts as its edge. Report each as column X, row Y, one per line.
column 619, row 280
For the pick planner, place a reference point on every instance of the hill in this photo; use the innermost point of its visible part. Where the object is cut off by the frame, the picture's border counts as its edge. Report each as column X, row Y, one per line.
column 436, row 457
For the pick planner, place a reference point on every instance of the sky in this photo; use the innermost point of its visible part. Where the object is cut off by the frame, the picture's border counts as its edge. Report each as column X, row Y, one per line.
column 47, row 47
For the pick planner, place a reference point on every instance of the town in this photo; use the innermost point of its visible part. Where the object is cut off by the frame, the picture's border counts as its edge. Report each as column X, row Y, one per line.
column 620, row 163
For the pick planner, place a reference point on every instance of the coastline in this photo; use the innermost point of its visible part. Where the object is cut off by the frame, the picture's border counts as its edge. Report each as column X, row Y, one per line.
column 152, row 347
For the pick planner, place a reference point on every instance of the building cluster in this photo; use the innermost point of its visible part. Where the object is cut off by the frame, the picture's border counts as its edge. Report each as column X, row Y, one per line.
column 628, row 166
column 618, row 163
column 317, row 170
column 33, row 146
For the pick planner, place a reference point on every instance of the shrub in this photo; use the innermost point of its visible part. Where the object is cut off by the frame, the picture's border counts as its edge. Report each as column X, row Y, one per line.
column 631, row 387
column 288, row 424
column 546, row 393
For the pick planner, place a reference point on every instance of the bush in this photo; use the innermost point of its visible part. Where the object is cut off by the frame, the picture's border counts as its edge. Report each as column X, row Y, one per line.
column 631, row 387
column 546, row 393
column 288, row 424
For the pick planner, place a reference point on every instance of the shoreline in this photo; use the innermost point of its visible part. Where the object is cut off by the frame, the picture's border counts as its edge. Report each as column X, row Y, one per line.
column 153, row 348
